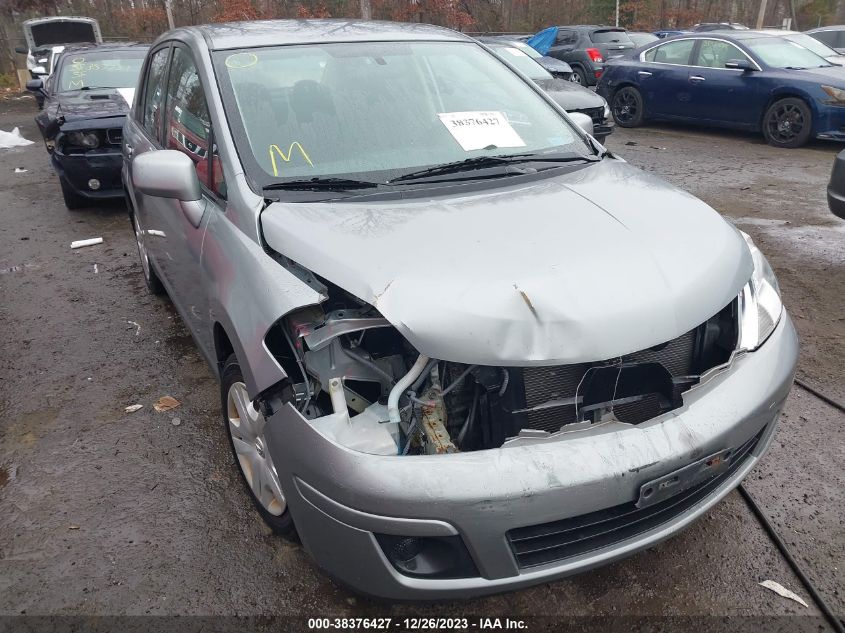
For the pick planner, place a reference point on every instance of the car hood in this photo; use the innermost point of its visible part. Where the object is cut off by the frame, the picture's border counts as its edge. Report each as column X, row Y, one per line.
column 93, row 104
column 833, row 75
column 569, row 95
column 586, row 266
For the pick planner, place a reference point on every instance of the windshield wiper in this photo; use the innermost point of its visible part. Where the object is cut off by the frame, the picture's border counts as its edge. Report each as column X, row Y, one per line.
column 321, row 184
column 482, row 162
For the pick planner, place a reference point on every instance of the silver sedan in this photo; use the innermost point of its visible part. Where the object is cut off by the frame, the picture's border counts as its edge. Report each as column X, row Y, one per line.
column 462, row 348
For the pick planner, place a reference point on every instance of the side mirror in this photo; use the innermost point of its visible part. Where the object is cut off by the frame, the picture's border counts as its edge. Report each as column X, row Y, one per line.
column 21, row 50
column 166, row 173
column 739, row 64
column 35, row 85
column 583, row 121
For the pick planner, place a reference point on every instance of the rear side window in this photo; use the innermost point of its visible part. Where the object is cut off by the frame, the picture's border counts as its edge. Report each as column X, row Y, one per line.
column 565, row 37
column 671, row 53
column 610, row 37
column 154, row 93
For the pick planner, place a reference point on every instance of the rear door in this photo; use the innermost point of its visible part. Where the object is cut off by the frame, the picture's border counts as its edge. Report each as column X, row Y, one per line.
column 663, row 78
column 611, row 42
column 724, row 95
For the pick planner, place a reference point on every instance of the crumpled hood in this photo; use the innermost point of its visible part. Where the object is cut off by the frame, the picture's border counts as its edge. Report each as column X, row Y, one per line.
column 587, row 266
column 92, row 104
column 569, row 95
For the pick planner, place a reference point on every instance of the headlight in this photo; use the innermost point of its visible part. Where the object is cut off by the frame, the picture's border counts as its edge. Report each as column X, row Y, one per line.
column 606, row 111
column 837, row 94
column 760, row 305
column 88, row 140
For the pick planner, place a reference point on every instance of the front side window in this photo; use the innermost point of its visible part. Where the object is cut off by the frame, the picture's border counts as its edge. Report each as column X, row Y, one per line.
column 187, row 127
column 88, row 70
column 671, row 53
column 378, row 110
column 714, row 53
column 154, row 93
column 781, row 53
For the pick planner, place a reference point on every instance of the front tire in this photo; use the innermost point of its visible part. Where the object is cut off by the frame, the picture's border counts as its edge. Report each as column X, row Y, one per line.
column 245, row 428
column 578, row 76
column 154, row 284
column 627, row 107
column 787, row 123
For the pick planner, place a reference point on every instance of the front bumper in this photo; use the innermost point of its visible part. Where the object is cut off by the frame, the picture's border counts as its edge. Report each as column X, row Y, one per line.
column 103, row 165
column 340, row 498
column 829, row 122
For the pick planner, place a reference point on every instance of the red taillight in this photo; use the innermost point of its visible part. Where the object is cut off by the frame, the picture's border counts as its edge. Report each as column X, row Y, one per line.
column 598, row 74
column 595, row 54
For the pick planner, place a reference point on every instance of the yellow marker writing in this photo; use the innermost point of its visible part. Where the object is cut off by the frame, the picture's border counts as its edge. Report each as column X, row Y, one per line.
column 286, row 158
column 241, row 60
column 76, row 84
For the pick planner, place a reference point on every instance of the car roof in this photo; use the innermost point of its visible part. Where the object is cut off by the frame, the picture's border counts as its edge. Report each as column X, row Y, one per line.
column 106, row 46
column 832, row 27
column 312, row 31
column 600, row 27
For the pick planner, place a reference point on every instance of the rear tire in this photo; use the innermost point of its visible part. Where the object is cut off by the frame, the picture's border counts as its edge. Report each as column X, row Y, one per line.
column 244, row 426
column 787, row 123
column 627, row 107
column 73, row 200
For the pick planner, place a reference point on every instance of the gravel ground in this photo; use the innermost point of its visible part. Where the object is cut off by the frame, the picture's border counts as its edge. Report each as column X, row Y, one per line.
column 107, row 513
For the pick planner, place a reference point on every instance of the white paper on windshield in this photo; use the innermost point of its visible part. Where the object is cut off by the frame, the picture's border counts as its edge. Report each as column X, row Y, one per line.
column 480, row 130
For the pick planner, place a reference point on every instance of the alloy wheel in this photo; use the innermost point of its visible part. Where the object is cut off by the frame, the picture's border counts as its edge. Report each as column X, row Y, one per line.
column 625, row 106
column 785, row 122
column 246, row 426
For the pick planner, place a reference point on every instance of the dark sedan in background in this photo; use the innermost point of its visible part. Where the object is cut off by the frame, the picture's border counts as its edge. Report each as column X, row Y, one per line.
column 570, row 96
column 741, row 79
column 86, row 101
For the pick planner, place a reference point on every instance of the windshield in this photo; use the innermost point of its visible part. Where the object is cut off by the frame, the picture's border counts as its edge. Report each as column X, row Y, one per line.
column 378, row 110
column 100, row 69
column 610, row 36
column 811, row 44
column 781, row 53
column 523, row 62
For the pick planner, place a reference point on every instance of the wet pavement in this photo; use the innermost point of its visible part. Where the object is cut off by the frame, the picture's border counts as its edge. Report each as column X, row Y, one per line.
column 104, row 512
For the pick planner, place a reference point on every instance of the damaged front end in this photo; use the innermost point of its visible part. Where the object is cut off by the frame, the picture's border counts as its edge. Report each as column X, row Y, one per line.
column 362, row 385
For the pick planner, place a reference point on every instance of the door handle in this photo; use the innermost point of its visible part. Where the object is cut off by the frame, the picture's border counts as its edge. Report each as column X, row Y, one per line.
column 644, row 73
column 696, row 79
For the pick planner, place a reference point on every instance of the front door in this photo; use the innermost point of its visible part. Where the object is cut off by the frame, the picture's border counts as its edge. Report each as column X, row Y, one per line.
column 724, row 95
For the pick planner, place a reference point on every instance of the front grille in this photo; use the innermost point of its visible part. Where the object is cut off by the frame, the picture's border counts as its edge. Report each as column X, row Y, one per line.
column 556, row 541
column 596, row 114
column 114, row 136
column 544, row 384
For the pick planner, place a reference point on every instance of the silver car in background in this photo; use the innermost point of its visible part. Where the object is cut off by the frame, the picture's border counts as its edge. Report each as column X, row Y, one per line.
column 461, row 347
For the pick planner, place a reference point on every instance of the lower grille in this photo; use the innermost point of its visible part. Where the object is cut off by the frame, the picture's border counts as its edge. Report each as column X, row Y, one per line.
column 559, row 540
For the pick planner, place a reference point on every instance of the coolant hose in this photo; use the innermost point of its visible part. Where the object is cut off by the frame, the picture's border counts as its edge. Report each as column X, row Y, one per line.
column 399, row 388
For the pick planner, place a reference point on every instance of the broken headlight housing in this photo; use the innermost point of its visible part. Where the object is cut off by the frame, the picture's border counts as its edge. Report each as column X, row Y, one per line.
column 86, row 140
column 759, row 302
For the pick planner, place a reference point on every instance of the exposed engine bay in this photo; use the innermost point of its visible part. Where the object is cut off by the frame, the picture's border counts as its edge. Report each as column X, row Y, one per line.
column 362, row 385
